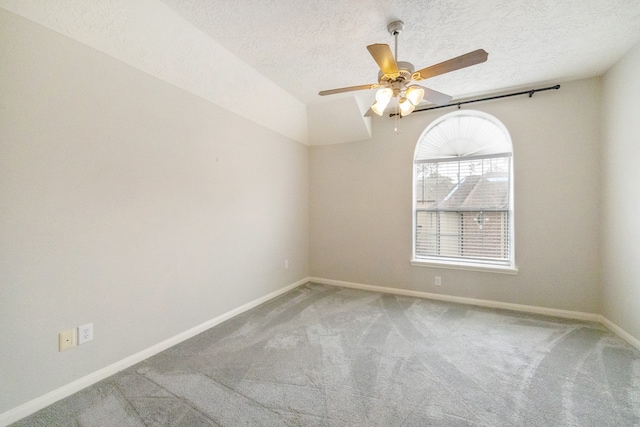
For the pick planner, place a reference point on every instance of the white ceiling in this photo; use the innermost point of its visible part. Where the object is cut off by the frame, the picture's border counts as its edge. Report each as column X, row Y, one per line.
column 312, row 45
column 268, row 59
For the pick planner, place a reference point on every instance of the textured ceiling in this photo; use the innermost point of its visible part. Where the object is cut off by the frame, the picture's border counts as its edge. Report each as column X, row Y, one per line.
column 305, row 47
column 267, row 60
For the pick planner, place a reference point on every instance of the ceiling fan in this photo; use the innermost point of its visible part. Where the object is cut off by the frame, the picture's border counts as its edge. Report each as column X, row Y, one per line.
column 395, row 78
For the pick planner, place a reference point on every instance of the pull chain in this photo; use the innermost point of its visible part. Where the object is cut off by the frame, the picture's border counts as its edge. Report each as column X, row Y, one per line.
column 397, row 116
column 395, row 36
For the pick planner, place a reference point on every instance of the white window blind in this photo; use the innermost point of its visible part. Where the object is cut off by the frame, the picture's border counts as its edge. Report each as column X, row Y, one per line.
column 463, row 192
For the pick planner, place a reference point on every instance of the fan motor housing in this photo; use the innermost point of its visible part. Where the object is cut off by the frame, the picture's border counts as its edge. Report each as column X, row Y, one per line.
column 405, row 71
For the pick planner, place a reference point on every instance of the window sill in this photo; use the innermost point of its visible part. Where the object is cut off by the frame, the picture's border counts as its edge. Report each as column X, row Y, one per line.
column 469, row 267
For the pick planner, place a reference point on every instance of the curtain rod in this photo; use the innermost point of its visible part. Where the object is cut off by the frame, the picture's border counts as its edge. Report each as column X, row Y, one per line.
column 453, row 104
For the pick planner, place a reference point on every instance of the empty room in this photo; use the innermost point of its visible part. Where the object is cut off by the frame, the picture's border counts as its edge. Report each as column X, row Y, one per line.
column 324, row 213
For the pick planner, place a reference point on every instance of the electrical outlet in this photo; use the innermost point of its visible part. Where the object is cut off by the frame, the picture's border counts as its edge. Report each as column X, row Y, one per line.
column 438, row 281
column 85, row 333
column 66, row 339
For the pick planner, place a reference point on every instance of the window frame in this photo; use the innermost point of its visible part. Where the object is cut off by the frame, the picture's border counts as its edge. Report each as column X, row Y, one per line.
column 459, row 263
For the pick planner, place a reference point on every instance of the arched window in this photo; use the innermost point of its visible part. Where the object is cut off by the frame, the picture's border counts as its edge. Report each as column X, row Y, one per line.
column 463, row 194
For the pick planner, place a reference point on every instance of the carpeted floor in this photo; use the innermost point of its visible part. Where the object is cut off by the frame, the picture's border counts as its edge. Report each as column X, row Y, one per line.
column 326, row 356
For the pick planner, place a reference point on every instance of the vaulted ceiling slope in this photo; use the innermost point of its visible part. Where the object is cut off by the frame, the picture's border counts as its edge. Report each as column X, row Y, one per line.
column 150, row 36
column 281, row 53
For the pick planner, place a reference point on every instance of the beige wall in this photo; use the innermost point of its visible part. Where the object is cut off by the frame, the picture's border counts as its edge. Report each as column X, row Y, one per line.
column 621, row 193
column 360, row 208
column 128, row 203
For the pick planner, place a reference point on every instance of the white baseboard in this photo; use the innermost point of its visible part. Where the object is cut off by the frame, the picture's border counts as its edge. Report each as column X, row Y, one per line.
column 41, row 402
column 620, row 332
column 567, row 314
column 591, row 317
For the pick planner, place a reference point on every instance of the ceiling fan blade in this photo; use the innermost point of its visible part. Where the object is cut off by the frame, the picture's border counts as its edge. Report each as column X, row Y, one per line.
column 384, row 58
column 348, row 89
column 436, row 97
column 462, row 61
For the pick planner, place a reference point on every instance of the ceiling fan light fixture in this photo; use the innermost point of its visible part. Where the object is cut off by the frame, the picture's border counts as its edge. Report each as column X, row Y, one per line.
column 383, row 96
column 414, row 94
column 378, row 108
column 406, row 107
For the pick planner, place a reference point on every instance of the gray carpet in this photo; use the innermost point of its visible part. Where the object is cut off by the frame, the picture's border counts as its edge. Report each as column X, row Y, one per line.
column 325, row 356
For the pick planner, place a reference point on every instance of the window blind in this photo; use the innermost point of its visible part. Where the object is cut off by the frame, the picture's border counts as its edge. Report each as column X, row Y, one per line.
column 462, row 209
